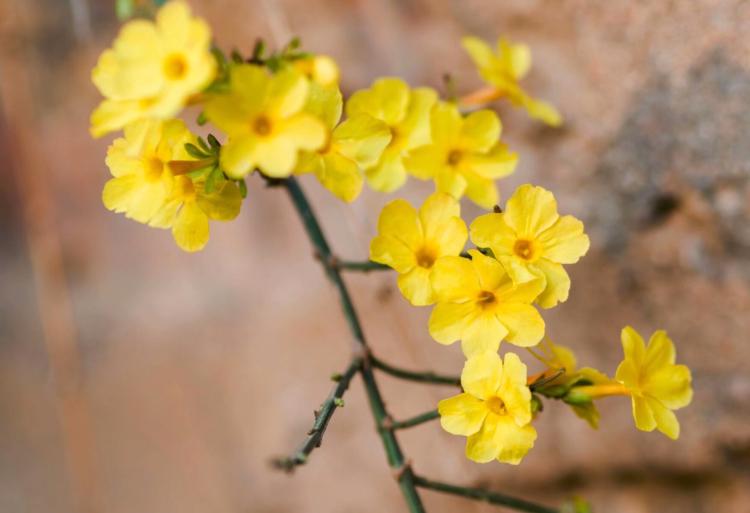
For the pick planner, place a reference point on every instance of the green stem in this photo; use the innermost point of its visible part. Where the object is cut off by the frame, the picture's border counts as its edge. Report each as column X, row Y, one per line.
column 322, row 418
column 414, row 421
column 418, row 376
column 348, row 265
column 483, row 495
column 404, row 474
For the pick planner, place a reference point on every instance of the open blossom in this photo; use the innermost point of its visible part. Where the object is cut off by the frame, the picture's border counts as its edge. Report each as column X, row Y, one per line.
column 407, row 113
column 139, row 163
column 504, row 69
column 320, row 69
column 412, row 242
column 465, row 155
column 494, row 411
column 657, row 386
column 351, row 146
column 264, row 117
column 479, row 304
column 152, row 68
column 189, row 208
column 531, row 237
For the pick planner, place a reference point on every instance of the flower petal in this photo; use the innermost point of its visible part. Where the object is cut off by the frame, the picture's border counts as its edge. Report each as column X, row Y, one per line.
column 388, row 174
column 399, row 220
column 223, row 204
column 440, row 216
column 530, row 211
column 666, row 420
column 341, row 176
column 387, row 100
column 642, row 414
column 482, row 375
column 633, row 346
column 392, row 252
column 491, row 231
column 415, row 286
column 557, row 283
column 660, row 352
column 462, row 414
column 514, row 391
column 480, row 130
column 362, row 138
column 671, row 385
column 448, row 321
column 564, row 242
column 523, row 322
column 484, row 333
column 454, row 279
column 190, row 229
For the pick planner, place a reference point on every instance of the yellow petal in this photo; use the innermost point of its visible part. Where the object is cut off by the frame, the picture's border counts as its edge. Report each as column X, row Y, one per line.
column 481, row 53
column 449, row 181
column 542, row 111
column 239, row 155
column 524, row 325
column 415, row 127
column 513, row 390
column 325, row 103
column 362, row 138
column 530, row 211
column 190, row 229
column 392, row 252
column 112, row 115
column 659, row 353
column 415, row 286
column 173, row 21
column 462, row 414
column 523, row 288
column 491, row 231
column 520, row 59
column 502, row 439
column 387, row 100
column 437, row 211
column 250, row 86
column 341, row 176
column 223, row 204
column 399, row 220
column 388, row 174
column 557, row 283
column 118, row 193
column 666, row 420
column 628, row 374
column 454, row 279
column 633, row 346
column 490, row 272
column 484, row 333
column 671, row 385
column 426, row 162
column 448, row 321
column 482, row 375
column 499, row 162
column 564, row 242
column 482, row 191
column 445, row 124
column 303, row 132
column 642, row 414
column 480, row 131
column 587, row 412
column 287, row 94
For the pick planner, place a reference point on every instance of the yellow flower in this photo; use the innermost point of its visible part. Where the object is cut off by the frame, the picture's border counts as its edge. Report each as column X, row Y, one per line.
column 411, row 242
column 504, row 69
column 321, row 69
column 465, row 156
column 494, row 411
column 139, row 163
column 657, row 386
column 479, row 304
column 531, row 237
column 264, row 118
column 189, row 208
column 406, row 112
column 152, row 68
column 353, row 145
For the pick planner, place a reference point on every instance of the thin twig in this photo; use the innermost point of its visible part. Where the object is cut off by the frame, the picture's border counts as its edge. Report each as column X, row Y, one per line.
column 322, row 418
column 418, row 376
column 393, row 451
column 367, row 266
column 414, row 421
column 480, row 494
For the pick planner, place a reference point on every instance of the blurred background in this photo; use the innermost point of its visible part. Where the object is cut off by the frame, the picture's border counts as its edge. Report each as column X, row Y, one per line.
column 136, row 377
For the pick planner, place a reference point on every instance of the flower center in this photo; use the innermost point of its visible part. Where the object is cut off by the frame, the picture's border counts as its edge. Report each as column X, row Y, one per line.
column 262, row 125
column 496, row 405
column 184, row 188
column 426, row 257
column 175, row 67
column 153, row 169
column 486, row 298
column 454, row 157
column 524, row 249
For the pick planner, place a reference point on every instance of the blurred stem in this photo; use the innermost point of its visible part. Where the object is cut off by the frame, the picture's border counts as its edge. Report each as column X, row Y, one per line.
column 414, row 421
column 322, row 418
column 479, row 494
column 347, row 265
column 418, row 376
column 402, row 470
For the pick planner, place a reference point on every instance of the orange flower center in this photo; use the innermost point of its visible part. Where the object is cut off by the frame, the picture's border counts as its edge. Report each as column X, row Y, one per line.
column 426, row 257
column 524, row 249
column 486, row 298
column 262, row 125
column 496, row 405
column 175, row 67
column 454, row 157
column 153, row 169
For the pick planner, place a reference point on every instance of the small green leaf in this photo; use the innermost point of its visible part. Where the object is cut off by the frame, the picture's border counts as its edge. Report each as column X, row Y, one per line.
column 258, row 50
column 338, row 402
column 204, row 146
column 214, row 142
column 194, row 152
column 202, row 119
column 243, row 188
column 198, row 173
column 236, row 57
column 213, row 177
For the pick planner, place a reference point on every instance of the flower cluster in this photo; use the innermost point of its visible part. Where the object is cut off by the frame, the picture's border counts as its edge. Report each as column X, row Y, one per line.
column 282, row 113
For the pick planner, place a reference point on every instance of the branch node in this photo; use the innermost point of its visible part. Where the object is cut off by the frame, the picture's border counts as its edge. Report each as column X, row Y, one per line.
column 386, row 423
column 398, row 472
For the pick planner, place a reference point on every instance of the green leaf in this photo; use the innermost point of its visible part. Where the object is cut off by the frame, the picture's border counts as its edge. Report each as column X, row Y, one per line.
column 204, row 146
column 236, row 57
column 198, row 173
column 194, row 152
column 243, row 188
column 258, row 50
column 215, row 175
column 202, row 119
column 214, row 142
